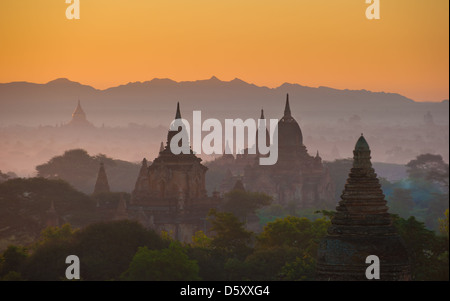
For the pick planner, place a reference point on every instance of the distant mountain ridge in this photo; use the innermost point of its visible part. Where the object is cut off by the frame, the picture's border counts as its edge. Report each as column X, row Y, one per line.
column 132, row 101
column 157, row 82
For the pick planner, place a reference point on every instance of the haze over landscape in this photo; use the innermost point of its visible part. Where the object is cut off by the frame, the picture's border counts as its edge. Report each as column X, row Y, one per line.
column 132, row 119
column 86, row 167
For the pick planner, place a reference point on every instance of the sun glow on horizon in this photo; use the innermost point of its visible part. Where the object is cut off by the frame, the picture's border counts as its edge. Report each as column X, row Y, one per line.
column 267, row 43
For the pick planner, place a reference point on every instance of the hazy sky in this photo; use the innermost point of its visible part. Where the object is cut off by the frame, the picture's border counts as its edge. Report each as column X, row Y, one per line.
column 265, row 42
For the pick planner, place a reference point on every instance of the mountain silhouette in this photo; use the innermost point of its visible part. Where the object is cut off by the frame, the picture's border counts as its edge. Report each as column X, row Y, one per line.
column 153, row 101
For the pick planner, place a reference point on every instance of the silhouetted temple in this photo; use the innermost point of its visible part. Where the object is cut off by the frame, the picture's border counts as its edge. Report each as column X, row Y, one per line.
column 361, row 227
column 297, row 178
column 170, row 194
column 101, row 185
column 79, row 118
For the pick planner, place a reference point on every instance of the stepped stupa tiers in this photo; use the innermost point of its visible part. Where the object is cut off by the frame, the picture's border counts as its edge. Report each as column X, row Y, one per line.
column 361, row 227
column 79, row 118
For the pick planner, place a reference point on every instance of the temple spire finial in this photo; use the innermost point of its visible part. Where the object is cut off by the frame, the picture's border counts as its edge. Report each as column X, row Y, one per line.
column 287, row 109
column 361, row 154
column 178, row 114
column 262, row 114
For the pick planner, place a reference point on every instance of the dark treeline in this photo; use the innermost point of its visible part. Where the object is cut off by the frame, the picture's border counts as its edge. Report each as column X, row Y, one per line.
column 283, row 248
column 124, row 250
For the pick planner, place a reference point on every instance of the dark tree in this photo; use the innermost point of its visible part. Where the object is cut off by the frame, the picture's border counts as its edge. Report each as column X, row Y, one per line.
column 169, row 264
column 428, row 252
column 429, row 167
column 106, row 249
column 80, row 169
column 12, row 260
column 26, row 202
column 230, row 235
column 401, row 202
column 244, row 203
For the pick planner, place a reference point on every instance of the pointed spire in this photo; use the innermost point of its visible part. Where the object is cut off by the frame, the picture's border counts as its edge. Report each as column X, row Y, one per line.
column 101, row 185
column 161, row 147
column 178, row 114
column 262, row 114
column 317, row 154
column 361, row 154
column 78, row 109
column 79, row 117
column 287, row 109
column 144, row 167
column 176, row 128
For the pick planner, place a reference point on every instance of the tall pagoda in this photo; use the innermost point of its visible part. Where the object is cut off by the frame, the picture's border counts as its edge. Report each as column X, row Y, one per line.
column 362, row 226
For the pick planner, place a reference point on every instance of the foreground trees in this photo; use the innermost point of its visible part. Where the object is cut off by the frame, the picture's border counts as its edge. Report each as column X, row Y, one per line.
column 285, row 250
column 169, row 264
column 105, row 251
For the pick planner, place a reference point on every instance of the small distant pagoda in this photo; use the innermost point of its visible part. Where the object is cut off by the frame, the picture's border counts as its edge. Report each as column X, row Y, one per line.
column 361, row 227
column 79, row 118
column 101, row 185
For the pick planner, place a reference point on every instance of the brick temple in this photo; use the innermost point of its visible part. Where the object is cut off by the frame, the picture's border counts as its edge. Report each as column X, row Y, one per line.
column 362, row 226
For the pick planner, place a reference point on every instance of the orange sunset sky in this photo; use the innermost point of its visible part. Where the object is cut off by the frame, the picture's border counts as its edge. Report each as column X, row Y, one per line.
column 265, row 42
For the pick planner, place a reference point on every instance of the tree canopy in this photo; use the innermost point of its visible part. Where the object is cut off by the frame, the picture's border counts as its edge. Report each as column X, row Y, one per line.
column 244, row 203
column 26, row 202
column 429, row 167
column 80, row 169
column 169, row 264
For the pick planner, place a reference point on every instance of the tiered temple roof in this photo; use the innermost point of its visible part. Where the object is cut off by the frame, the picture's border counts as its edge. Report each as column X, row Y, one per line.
column 361, row 227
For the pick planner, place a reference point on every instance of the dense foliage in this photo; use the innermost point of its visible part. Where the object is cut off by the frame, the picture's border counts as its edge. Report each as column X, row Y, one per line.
column 285, row 250
column 80, row 169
